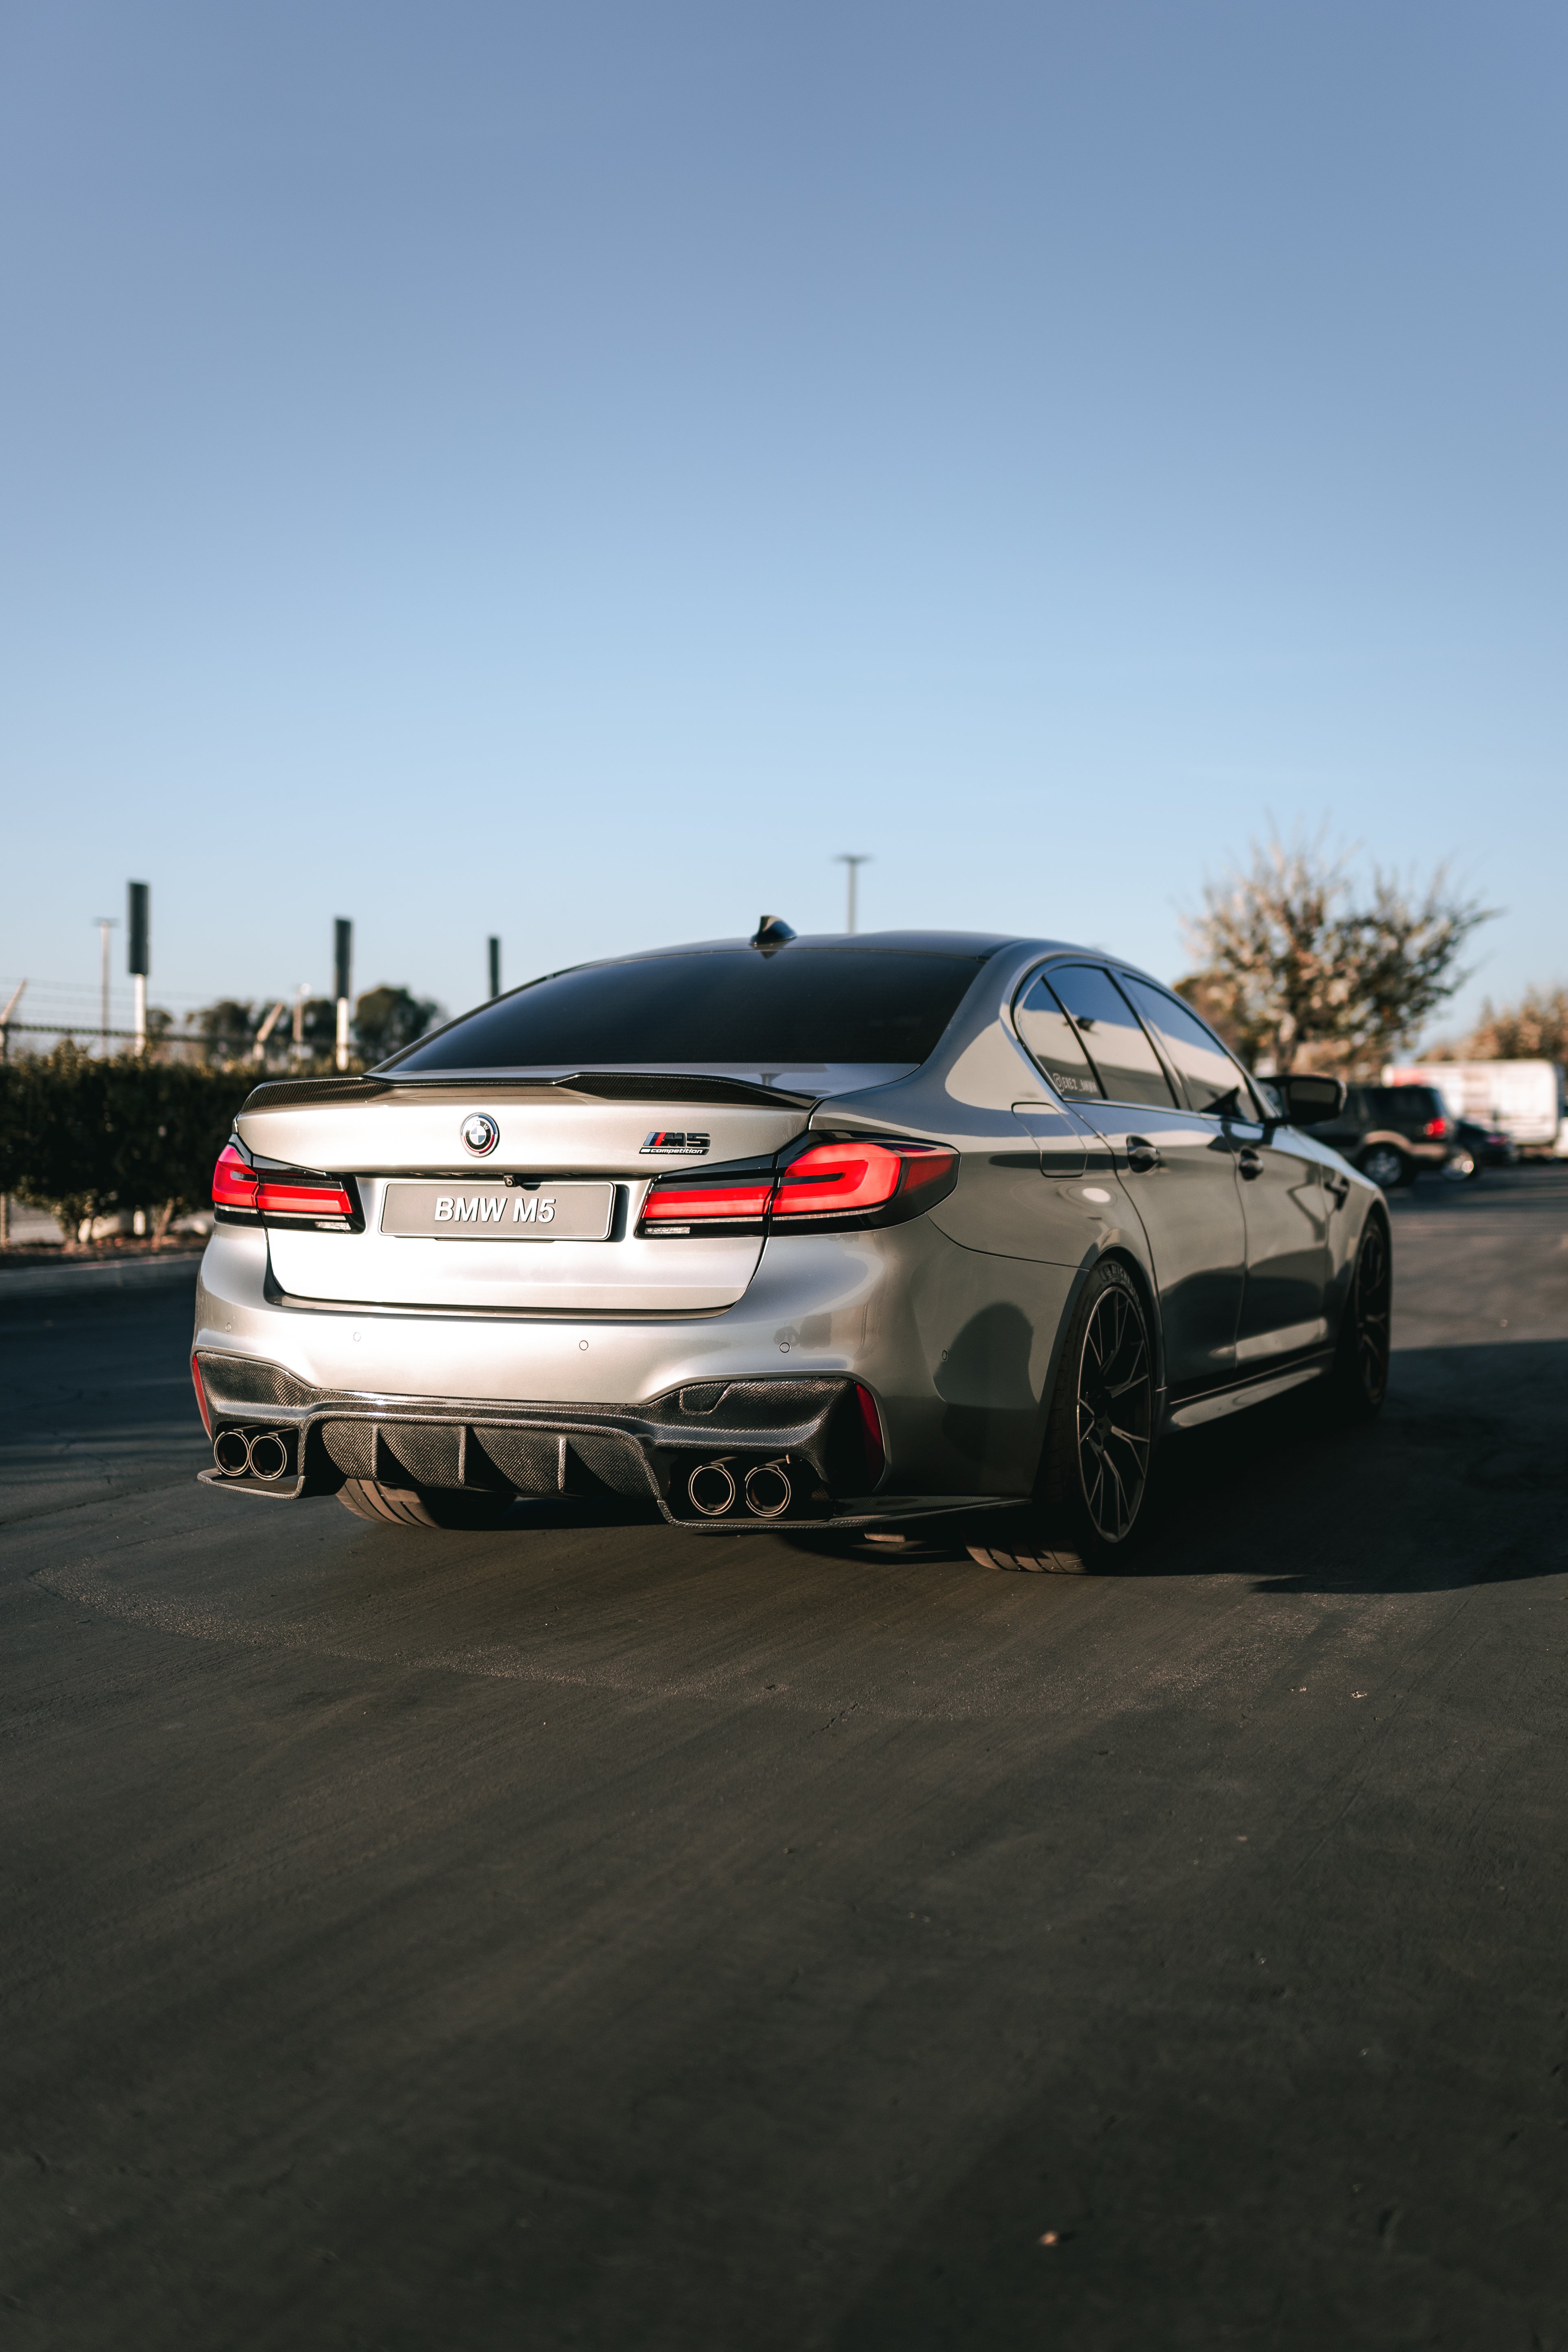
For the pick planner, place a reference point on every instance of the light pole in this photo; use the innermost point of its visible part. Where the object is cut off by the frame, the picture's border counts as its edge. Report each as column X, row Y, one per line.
column 301, row 994
column 139, row 928
column 106, row 923
column 343, row 959
column 495, row 967
column 844, row 858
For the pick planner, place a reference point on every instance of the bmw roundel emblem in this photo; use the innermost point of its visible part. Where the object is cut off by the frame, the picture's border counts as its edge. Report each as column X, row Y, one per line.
column 480, row 1134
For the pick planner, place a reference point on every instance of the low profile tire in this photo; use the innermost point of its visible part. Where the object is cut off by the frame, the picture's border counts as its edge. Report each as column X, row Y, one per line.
column 1359, row 1382
column 421, row 1506
column 1094, row 1469
column 1387, row 1168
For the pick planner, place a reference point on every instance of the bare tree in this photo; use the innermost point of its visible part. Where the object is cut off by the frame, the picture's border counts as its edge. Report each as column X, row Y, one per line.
column 1404, row 947
column 1535, row 1029
column 1297, row 965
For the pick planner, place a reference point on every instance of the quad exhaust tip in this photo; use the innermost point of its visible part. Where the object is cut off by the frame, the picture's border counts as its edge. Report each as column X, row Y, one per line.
column 263, row 1454
column 269, row 1456
column 768, row 1490
column 712, row 1490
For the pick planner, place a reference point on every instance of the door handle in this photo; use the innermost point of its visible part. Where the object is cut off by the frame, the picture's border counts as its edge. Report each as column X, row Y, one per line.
column 1142, row 1155
column 1249, row 1161
column 1338, row 1188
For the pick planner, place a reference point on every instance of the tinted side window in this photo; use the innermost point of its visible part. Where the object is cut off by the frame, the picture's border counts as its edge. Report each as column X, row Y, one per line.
column 1212, row 1081
column 1129, row 1067
column 1051, row 1039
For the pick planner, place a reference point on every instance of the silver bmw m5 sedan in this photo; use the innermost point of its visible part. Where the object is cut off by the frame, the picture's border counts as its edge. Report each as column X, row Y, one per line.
column 842, row 1233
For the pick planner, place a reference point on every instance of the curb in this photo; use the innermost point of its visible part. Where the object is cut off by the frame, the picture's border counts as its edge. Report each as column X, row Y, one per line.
column 100, row 1274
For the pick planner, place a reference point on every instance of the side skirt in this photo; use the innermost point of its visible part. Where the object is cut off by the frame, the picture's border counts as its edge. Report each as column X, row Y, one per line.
column 1193, row 1412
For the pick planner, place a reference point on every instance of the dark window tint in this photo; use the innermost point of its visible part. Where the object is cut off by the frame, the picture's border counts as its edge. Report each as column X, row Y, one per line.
column 1129, row 1067
column 799, row 1005
column 1212, row 1081
column 1406, row 1106
column 1052, row 1040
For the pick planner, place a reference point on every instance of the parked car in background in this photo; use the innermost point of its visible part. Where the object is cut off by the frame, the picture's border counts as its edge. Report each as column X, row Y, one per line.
column 1393, row 1133
column 1528, row 1100
column 1477, row 1147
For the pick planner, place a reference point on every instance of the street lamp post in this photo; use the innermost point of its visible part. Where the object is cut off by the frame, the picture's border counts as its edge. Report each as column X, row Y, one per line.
column 853, row 863
column 138, row 931
column 342, row 958
column 106, row 923
column 301, row 994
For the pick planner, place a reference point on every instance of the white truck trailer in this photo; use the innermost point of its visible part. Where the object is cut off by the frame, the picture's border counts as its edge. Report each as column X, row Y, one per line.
column 1528, row 1100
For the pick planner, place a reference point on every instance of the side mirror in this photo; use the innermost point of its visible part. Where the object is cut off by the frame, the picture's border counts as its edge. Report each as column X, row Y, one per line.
column 1310, row 1101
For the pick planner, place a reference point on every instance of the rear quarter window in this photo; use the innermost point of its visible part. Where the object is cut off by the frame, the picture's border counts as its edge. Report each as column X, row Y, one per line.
column 1053, row 1042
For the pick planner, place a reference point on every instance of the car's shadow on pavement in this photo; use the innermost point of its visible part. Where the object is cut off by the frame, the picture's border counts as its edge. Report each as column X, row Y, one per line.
column 1463, row 1480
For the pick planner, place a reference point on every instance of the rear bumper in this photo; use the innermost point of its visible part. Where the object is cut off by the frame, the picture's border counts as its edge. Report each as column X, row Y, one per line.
column 957, row 1346
column 812, row 1429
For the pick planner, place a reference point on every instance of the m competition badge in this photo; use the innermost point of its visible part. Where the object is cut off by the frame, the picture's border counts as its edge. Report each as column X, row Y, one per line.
column 668, row 1143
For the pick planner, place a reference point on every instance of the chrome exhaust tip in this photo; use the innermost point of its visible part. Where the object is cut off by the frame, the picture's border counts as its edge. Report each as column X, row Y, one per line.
column 711, row 1490
column 269, row 1456
column 231, row 1452
column 768, row 1490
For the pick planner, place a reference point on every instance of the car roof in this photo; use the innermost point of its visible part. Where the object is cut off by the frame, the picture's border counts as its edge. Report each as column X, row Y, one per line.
column 975, row 946
column 972, row 945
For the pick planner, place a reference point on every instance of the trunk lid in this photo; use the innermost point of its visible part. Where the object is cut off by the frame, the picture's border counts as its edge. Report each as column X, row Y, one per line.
column 599, row 1130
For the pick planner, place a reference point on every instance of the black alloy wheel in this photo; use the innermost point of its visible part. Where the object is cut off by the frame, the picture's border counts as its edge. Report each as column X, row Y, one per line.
column 1361, row 1370
column 1095, row 1468
column 1115, row 1414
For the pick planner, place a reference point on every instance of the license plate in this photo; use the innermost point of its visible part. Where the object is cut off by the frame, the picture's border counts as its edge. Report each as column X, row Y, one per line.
column 499, row 1213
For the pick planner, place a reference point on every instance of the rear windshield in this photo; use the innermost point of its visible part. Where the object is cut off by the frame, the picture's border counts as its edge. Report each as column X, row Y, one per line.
column 796, row 1006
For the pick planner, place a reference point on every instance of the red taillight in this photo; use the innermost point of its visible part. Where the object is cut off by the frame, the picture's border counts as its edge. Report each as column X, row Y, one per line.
column 237, row 1185
column 234, row 1180
column 1435, row 1129
column 675, row 1201
column 833, row 1179
column 846, row 1180
column 836, row 1180
column 287, row 1197
column 201, row 1396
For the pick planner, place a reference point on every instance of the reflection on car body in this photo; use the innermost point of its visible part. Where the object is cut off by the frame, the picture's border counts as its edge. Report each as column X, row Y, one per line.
column 842, row 1233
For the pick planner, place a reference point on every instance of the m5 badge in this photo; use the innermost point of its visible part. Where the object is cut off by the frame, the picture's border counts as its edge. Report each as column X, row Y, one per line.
column 666, row 1140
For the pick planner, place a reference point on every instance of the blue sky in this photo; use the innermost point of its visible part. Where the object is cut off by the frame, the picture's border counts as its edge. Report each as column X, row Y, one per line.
column 570, row 472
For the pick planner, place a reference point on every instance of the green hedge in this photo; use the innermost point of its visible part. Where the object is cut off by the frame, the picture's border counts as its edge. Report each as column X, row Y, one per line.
column 84, row 1137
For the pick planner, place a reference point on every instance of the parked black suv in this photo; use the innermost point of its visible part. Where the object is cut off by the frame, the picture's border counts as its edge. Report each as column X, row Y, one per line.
column 1391, row 1133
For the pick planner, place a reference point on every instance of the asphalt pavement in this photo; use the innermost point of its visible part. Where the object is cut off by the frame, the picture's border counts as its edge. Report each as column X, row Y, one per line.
column 605, row 1936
